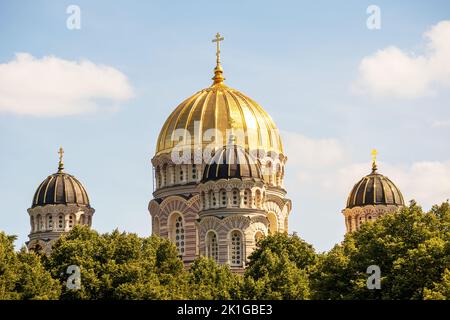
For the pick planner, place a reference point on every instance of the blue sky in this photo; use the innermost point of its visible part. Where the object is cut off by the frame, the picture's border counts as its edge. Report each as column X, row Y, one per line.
column 299, row 60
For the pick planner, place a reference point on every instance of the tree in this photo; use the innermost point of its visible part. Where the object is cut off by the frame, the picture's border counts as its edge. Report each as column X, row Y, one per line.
column 412, row 249
column 211, row 281
column 118, row 266
column 22, row 275
column 278, row 268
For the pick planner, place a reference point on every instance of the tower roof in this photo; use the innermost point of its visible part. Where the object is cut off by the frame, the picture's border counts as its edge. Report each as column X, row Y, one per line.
column 60, row 188
column 375, row 189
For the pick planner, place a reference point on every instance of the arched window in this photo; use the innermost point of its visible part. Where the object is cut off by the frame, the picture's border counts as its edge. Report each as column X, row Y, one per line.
column 247, row 198
column 178, row 233
column 269, row 172
column 71, row 221
column 258, row 199
column 181, row 174
column 212, row 247
column 164, row 175
column 32, row 224
column 203, row 200
column 278, row 175
column 49, row 222
column 156, row 226
column 194, row 172
column 60, row 221
column 235, row 198
column 223, row 198
column 258, row 236
column 236, row 248
column 40, row 223
column 273, row 222
column 158, row 177
column 212, row 199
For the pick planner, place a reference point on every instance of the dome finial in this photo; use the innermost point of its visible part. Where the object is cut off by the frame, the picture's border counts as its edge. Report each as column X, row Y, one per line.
column 61, row 163
column 218, row 71
column 374, row 160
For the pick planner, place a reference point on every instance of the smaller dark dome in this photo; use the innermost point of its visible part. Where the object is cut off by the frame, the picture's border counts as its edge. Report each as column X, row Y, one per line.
column 232, row 161
column 60, row 188
column 375, row 189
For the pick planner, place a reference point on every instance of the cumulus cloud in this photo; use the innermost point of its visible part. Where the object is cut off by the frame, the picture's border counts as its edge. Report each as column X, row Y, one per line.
column 324, row 166
column 51, row 86
column 394, row 72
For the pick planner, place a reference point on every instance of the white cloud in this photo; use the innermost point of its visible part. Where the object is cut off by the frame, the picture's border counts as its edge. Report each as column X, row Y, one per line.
column 55, row 87
column 324, row 167
column 393, row 72
column 441, row 123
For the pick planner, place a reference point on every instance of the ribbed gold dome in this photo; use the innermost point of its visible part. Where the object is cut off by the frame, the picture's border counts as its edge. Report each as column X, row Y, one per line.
column 223, row 108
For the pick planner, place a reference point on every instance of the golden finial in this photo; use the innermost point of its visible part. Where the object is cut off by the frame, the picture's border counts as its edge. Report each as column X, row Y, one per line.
column 218, row 71
column 374, row 154
column 61, row 163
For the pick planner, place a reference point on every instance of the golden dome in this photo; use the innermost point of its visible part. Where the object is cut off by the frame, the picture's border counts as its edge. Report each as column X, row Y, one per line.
column 222, row 111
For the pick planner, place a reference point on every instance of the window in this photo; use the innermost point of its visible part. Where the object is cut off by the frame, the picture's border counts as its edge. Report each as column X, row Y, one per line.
column 60, row 222
column 181, row 174
column 258, row 236
column 40, row 223
column 236, row 198
column 164, row 173
column 212, row 247
column 202, row 200
column 179, row 234
column 71, row 221
column 156, row 226
column 223, row 198
column 247, row 198
column 158, row 177
column 273, row 222
column 258, row 199
column 212, row 198
column 194, row 172
column 49, row 222
column 236, row 248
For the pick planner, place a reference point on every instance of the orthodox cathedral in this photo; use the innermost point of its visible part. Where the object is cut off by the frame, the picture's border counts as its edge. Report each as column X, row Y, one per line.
column 218, row 182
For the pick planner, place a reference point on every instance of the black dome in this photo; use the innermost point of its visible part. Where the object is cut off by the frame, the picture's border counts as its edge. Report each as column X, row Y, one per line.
column 230, row 162
column 60, row 188
column 375, row 189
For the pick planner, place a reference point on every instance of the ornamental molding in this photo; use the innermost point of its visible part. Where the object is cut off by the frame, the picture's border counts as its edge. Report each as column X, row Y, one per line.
column 60, row 208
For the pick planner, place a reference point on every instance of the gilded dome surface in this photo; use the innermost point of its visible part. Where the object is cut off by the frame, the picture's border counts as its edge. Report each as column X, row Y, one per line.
column 221, row 108
column 230, row 162
column 375, row 189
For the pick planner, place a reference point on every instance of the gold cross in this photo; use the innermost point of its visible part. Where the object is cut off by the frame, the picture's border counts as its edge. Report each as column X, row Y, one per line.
column 61, row 164
column 217, row 41
column 374, row 155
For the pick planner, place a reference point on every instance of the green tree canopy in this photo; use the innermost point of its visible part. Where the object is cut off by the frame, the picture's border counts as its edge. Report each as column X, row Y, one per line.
column 22, row 275
column 118, row 266
column 412, row 249
column 278, row 268
column 208, row 280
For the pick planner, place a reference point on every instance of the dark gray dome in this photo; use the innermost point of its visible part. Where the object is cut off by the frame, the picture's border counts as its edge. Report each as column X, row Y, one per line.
column 375, row 189
column 232, row 161
column 60, row 188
